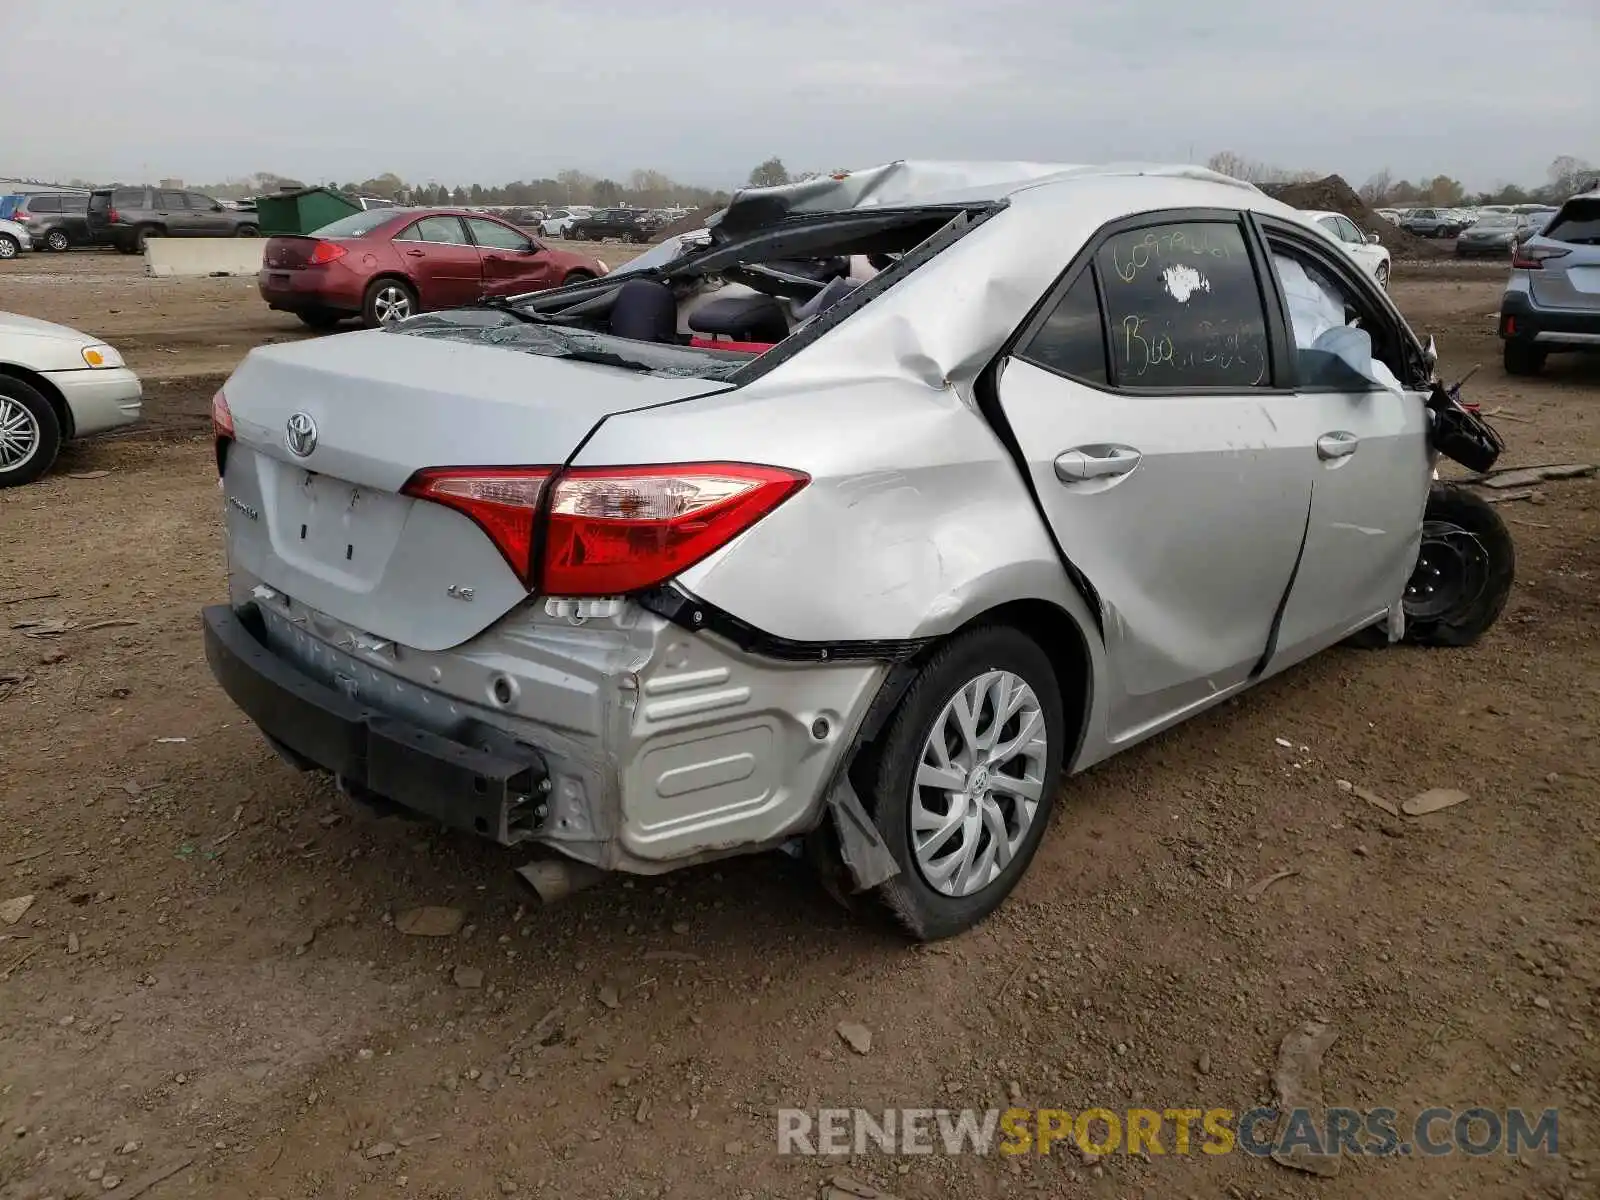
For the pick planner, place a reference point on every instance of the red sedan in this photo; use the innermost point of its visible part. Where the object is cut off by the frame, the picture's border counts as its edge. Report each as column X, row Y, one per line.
column 387, row 264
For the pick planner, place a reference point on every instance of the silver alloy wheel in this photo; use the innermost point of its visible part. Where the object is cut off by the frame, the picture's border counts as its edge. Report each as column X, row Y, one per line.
column 391, row 304
column 979, row 781
column 8, row 247
column 19, row 434
column 1383, row 275
column 56, row 240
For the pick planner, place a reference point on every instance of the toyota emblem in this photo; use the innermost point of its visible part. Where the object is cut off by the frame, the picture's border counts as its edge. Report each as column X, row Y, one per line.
column 301, row 435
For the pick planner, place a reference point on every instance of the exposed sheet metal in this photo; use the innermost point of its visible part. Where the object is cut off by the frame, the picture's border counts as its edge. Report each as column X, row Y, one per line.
column 906, row 182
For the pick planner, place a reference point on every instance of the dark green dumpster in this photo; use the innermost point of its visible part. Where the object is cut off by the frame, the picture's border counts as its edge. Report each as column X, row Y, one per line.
column 303, row 210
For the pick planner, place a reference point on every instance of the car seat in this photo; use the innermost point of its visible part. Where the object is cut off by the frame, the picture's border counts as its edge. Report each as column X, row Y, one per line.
column 644, row 310
column 750, row 318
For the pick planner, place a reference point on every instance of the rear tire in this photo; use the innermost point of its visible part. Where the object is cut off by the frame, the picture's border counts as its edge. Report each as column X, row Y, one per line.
column 57, row 240
column 388, row 300
column 578, row 276
column 143, row 234
column 1464, row 570
column 248, row 231
column 1521, row 358
column 926, row 730
column 30, row 434
column 9, row 246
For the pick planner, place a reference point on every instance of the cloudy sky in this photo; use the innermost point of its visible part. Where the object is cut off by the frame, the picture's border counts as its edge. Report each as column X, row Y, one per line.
column 494, row 90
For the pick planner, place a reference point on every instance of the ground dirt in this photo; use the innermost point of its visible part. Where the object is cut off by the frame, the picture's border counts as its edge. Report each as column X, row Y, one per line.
column 209, row 980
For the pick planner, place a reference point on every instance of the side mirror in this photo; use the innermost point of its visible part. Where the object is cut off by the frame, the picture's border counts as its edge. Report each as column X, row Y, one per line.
column 1372, row 239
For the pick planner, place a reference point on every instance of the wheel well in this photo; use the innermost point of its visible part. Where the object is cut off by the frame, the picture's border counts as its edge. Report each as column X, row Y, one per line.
column 389, row 277
column 46, row 389
column 1054, row 631
column 576, row 274
column 1058, row 635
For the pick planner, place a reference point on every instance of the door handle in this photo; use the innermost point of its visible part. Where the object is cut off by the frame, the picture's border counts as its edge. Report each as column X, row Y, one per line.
column 1338, row 444
column 414, row 253
column 1095, row 462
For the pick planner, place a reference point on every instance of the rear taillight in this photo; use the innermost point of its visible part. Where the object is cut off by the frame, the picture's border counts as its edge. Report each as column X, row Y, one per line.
column 1533, row 258
column 501, row 500
column 222, row 427
column 221, row 416
column 609, row 530
column 111, row 216
column 614, row 530
column 326, row 252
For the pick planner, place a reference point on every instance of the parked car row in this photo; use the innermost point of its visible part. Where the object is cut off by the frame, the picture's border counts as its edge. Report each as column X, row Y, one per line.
column 119, row 217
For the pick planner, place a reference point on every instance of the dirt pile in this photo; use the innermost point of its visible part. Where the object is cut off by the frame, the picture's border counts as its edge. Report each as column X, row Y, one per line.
column 1333, row 194
column 687, row 223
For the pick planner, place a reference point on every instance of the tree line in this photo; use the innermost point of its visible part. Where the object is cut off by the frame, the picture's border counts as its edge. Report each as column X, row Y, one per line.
column 1565, row 176
column 654, row 189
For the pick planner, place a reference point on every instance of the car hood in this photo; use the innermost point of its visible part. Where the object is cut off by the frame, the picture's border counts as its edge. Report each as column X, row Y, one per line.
column 16, row 323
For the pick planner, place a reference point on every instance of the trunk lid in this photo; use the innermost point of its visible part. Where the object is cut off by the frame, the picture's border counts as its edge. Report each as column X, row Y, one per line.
column 287, row 251
column 330, row 527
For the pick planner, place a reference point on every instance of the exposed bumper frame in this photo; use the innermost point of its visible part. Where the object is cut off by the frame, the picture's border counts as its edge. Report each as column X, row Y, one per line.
column 492, row 791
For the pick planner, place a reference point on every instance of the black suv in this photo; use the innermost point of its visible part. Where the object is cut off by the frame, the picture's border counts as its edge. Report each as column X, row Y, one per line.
column 625, row 224
column 126, row 216
column 56, row 220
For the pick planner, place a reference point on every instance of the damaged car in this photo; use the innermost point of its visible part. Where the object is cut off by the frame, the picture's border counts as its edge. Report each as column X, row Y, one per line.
column 850, row 525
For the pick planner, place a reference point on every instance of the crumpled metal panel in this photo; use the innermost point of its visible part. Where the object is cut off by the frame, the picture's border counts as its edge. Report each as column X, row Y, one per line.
column 913, row 182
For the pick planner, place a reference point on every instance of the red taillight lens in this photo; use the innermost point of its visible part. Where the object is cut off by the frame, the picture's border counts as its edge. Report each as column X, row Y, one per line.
column 222, row 427
column 326, row 252
column 614, row 530
column 221, row 416
column 1533, row 258
column 111, row 216
column 501, row 500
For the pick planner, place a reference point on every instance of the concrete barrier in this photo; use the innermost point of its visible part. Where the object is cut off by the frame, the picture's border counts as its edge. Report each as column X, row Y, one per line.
column 167, row 256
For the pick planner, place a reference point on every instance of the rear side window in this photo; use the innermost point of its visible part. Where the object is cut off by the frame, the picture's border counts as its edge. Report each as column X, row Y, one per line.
column 74, row 204
column 1183, row 308
column 127, row 198
column 497, row 237
column 43, row 204
column 1072, row 340
column 1578, row 222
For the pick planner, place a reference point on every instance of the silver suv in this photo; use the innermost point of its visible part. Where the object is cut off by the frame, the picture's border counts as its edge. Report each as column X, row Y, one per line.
column 1552, row 299
column 850, row 528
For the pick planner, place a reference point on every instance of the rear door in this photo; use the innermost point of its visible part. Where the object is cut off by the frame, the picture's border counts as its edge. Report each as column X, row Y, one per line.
column 207, row 217
column 1142, row 399
column 1369, row 468
column 99, row 214
column 442, row 262
column 1569, row 273
column 172, row 210
column 512, row 261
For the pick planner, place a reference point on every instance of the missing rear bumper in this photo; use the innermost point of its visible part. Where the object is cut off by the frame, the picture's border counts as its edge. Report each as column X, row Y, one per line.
column 479, row 782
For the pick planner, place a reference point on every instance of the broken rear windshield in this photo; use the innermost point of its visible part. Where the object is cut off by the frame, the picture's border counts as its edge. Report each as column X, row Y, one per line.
column 487, row 327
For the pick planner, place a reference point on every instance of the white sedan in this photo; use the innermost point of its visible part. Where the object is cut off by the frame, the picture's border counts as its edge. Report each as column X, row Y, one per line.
column 14, row 239
column 56, row 384
column 1363, row 247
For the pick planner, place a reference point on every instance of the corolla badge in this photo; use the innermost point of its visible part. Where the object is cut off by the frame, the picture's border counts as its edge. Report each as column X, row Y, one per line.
column 301, row 434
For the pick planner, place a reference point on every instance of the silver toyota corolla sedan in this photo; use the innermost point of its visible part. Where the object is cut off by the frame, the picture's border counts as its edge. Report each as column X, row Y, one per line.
column 849, row 527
